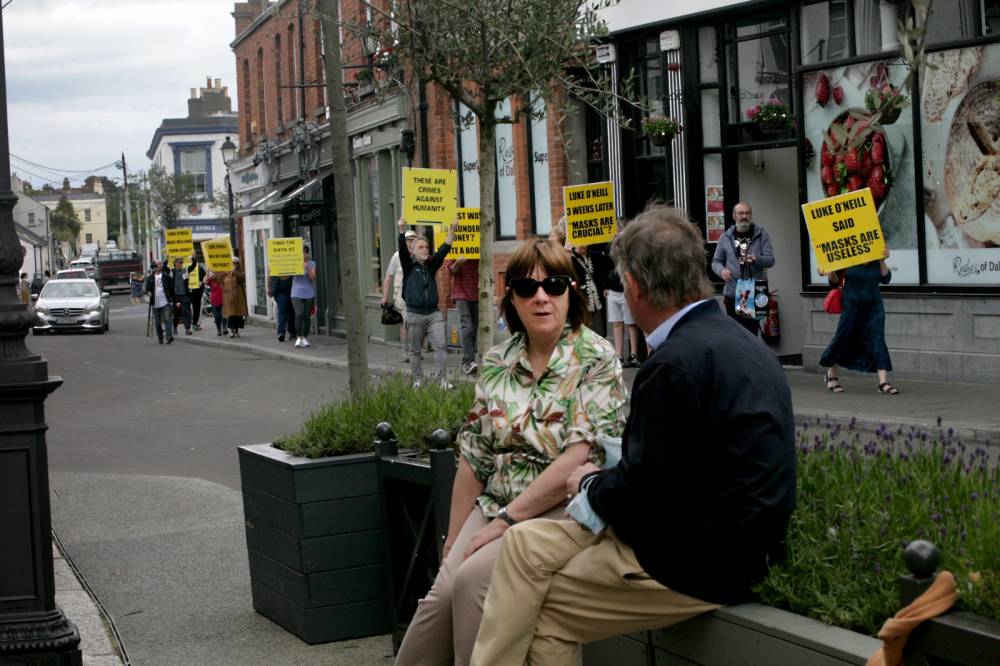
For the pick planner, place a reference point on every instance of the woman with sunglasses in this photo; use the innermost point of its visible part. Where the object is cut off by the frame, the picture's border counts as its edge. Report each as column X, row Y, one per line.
column 542, row 399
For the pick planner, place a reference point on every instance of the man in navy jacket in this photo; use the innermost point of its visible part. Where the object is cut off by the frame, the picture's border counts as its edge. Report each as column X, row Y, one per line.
column 698, row 506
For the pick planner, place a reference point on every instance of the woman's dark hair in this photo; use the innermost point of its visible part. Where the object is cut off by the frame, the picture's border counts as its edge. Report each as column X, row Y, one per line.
column 305, row 248
column 552, row 259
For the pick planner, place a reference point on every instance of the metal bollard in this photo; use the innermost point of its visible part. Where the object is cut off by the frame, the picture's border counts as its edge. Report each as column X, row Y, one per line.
column 921, row 559
column 385, row 440
column 443, row 466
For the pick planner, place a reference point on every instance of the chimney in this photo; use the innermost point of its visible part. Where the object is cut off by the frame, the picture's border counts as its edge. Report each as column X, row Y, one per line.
column 218, row 83
column 65, row 187
column 208, row 82
column 246, row 12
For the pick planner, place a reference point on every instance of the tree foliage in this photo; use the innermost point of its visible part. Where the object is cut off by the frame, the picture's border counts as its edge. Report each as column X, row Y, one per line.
column 170, row 194
column 64, row 224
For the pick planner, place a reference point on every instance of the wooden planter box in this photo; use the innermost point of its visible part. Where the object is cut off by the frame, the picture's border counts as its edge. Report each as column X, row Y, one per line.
column 316, row 543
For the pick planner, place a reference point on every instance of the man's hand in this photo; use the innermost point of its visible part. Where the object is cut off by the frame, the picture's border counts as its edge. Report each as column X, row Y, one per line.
column 573, row 481
column 885, row 254
column 452, row 230
column 493, row 530
column 727, row 274
column 751, row 258
column 401, row 223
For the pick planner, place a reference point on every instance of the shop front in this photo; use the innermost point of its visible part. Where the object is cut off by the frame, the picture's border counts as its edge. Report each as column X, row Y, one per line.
column 931, row 163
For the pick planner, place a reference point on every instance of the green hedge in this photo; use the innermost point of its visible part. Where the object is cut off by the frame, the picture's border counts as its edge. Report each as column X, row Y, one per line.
column 349, row 426
column 860, row 504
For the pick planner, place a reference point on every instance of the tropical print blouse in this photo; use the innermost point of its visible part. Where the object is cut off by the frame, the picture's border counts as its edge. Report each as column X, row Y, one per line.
column 518, row 426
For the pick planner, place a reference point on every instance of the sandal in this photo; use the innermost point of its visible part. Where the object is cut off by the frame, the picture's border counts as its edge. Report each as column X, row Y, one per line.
column 887, row 389
column 833, row 384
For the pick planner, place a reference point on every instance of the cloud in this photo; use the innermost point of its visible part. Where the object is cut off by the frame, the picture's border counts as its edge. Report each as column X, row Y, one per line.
column 87, row 80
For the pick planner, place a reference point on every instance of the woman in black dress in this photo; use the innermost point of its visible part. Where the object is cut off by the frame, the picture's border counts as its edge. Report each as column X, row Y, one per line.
column 859, row 343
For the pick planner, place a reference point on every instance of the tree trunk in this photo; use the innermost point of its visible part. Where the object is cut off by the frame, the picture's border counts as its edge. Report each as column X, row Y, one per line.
column 343, row 181
column 487, row 220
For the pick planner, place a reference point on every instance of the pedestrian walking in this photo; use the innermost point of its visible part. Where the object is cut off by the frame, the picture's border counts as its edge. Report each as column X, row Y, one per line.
column 279, row 287
column 182, row 296
column 24, row 289
column 392, row 289
column 215, row 299
column 423, row 317
column 465, row 292
column 160, row 289
column 859, row 342
column 303, row 296
column 196, row 285
column 234, row 298
column 744, row 251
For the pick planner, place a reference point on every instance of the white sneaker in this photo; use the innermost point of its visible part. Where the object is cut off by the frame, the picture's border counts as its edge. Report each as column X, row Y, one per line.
column 305, row 343
column 298, row 342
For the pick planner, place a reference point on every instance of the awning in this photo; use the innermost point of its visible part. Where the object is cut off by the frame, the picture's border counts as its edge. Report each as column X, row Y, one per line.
column 258, row 207
column 310, row 192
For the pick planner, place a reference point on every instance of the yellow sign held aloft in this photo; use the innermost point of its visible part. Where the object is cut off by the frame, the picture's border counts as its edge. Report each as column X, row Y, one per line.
column 844, row 230
column 284, row 257
column 218, row 255
column 180, row 243
column 590, row 213
column 430, row 196
column 466, row 245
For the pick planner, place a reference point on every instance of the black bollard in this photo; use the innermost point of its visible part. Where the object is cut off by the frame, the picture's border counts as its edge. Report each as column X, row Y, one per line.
column 921, row 559
column 385, row 440
column 443, row 465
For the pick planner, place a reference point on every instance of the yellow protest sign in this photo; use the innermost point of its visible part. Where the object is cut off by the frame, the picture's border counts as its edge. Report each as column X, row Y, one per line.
column 218, row 255
column 179, row 243
column 844, row 230
column 430, row 196
column 590, row 213
column 284, row 257
column 466, row 245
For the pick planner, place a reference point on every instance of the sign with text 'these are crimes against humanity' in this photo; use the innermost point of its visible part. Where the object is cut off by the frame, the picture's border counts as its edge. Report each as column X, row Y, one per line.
column 844, row 230
column 284, row 257
column 180, row 243
column 590, row 213
column 466, row 245
column 430, row 196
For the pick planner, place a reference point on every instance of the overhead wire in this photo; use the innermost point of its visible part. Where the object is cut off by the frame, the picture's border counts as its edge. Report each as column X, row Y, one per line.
column 55, row 170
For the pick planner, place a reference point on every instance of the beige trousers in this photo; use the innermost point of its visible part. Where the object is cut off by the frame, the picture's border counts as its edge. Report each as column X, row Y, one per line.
column 443, row 629
column 556, row 585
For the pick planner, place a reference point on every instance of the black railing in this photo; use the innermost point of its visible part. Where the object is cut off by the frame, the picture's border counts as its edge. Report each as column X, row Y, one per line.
column 416, row 503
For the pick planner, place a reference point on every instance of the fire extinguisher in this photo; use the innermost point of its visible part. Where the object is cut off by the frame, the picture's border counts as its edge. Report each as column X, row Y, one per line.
column 772, row 324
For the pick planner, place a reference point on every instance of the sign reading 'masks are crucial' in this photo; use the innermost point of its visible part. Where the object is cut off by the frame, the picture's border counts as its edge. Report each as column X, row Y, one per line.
column 430, row 196
column 844, row 230
column 590, row 213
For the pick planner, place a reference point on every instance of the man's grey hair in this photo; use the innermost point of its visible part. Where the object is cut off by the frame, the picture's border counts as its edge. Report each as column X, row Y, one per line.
column 664, row 253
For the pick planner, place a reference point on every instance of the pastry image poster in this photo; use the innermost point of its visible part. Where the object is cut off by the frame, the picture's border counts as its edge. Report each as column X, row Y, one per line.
column 853, row 151
column 960, row 114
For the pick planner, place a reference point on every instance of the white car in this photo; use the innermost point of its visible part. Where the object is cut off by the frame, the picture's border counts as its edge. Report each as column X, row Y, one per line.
column 66, row 305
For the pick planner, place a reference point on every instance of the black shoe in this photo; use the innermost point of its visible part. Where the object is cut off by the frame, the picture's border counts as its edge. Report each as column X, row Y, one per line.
column 160, row 340
column 632, row 362
column 281, row 338
column 170, row 339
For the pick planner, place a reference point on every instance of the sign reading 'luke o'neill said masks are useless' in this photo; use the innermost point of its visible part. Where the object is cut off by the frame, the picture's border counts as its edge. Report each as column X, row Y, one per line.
column 466, row 245
column 430, row 196
column 284, row 257
column 180, row 243
column 218, row 255
column 844, row 230
column 590, row 213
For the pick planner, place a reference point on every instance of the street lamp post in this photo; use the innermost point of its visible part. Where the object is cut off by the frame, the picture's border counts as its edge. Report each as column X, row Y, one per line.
column 32, row 628
column 228, row 155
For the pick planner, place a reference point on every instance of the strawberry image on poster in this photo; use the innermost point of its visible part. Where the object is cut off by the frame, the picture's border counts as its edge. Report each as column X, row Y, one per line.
column 838, row 95
column 822, row 90
column 854, row 156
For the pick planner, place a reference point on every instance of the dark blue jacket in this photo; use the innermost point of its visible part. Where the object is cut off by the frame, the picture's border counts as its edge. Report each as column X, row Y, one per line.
column 419, row 286
column 706, row 484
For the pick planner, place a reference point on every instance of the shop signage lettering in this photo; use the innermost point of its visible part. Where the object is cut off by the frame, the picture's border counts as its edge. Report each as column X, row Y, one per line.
column 964, row 267
column 362, row 141
column 466, row 245
column 470, row 167
column 845, row 230
column 249, row 177
column 590, row 213
column 541, row 158
column 430, row 196
column 218, row 255
column 284, row 257
column 180, row 243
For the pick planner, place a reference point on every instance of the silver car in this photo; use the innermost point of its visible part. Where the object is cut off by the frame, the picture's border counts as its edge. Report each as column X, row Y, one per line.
column 67, row 305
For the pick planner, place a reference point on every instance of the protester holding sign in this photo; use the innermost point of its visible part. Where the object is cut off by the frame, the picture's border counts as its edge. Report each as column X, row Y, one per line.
column 859, row 343
column 304, row 298
column 196, row 283
column 182, row 297
column 234, row 298
column 744, row 251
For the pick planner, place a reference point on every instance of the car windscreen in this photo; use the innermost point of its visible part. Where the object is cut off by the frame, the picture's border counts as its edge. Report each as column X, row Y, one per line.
column 69, row 290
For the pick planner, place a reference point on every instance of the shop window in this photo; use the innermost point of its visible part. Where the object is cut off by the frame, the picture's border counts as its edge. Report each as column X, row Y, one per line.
column 888, row 170
column 869, row 16
column 539, row 151
column 370, row 195
column 960, row 139
column 506, row 178
column 761, row 68
column 710, row 128
column 468, row 156
column 708, row 55
column 953, row 21
column 595, row 130
column 824, row 32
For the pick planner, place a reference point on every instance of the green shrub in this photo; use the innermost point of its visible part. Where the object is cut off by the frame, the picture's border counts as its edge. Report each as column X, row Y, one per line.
column 348, row 426
column 859, row 505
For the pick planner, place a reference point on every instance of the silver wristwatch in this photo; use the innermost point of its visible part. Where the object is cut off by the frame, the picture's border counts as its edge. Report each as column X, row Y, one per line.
column 505, row 517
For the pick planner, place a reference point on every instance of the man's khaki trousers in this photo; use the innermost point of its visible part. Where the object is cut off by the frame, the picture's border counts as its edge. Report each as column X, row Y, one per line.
column 556, row 585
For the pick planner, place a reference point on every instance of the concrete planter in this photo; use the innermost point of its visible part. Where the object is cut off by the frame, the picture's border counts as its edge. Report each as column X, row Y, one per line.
column 316, row 542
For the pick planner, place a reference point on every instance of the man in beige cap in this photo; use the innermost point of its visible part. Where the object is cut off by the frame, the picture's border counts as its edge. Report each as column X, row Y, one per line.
column 393, row 284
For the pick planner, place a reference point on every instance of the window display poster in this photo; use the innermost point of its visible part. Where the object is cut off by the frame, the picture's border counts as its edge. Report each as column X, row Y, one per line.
column 714, row 202
column 466, row 245
column 715, row 226
column 960, row 104
column 853, row 151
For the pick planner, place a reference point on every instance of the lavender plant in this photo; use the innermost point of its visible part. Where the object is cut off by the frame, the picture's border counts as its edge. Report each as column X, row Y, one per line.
column 862, row 499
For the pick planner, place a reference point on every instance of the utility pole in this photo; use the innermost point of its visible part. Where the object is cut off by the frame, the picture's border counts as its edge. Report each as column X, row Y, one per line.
column 343, row 184
column 128, row 208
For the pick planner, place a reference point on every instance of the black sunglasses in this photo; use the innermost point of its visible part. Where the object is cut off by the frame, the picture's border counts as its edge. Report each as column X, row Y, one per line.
column 554, row 285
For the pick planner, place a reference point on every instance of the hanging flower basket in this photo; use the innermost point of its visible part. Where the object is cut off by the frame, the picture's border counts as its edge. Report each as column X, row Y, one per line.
column 769, row 119
column 660, row 129
column 661, row 140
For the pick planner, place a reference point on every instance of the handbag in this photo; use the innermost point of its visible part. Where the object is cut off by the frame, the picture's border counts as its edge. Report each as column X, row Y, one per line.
column 390, row 315
column 834, row 301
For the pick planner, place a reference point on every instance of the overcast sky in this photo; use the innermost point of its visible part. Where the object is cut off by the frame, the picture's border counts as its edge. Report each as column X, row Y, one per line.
column 88, row 80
